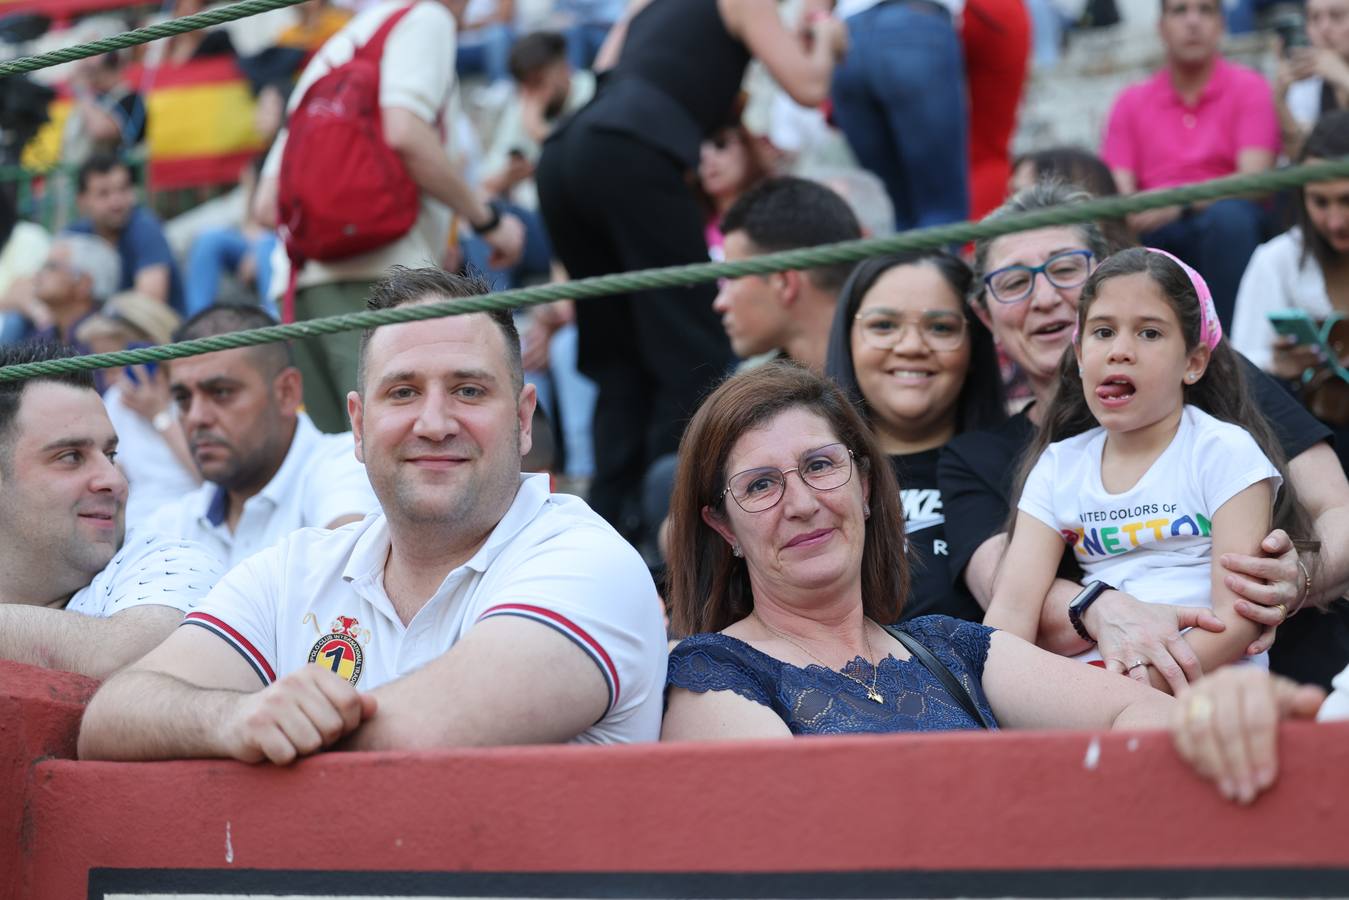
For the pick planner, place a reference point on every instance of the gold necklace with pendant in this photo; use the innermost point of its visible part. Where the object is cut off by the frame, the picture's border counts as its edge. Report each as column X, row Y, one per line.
column 872, row 694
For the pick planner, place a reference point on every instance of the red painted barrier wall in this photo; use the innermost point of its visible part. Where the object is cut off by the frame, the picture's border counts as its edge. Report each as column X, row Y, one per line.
column 970, row 802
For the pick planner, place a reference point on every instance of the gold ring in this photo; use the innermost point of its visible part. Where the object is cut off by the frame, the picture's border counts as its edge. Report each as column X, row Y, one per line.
column 1283, row 612
column 1199, row 710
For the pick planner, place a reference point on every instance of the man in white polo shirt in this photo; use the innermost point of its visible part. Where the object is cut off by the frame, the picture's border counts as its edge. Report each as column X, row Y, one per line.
column 478, row 609
column 267, row 469
column 73, row 594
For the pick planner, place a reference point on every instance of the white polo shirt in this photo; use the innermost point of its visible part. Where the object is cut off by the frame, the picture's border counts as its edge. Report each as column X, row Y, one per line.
column 318, row 596
column 319, row 480
column 149, row 571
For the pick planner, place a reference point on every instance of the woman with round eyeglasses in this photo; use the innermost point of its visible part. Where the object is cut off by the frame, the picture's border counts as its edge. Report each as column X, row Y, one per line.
column 1026, row 291
column 786, row 542
column 920, row 368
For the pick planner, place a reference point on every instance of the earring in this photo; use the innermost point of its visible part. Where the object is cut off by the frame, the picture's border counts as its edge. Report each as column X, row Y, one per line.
column 1190, row 377
column 1079, row 372
column 735, row 551
column 866, row 512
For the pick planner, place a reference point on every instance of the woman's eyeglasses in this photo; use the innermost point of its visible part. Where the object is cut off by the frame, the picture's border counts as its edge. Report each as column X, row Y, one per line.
column 757, row 490
column 1063, row 270
column 882, row 329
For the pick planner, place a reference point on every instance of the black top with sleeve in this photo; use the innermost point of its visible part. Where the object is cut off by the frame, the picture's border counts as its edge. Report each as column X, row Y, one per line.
column 676, row 80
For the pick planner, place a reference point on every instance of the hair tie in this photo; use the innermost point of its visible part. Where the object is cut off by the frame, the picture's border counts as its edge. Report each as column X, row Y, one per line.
column 1210, row 327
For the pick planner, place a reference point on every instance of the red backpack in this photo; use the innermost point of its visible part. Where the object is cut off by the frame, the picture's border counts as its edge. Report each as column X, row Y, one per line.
column 342, row 190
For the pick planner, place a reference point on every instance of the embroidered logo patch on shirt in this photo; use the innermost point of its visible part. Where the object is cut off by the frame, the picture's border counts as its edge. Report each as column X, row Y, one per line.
column 340, row 650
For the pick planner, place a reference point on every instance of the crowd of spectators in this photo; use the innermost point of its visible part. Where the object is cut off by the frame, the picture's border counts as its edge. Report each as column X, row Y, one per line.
column 813, row 478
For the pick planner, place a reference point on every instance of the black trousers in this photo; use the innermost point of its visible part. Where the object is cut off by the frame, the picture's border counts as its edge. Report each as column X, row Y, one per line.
column 612, row 203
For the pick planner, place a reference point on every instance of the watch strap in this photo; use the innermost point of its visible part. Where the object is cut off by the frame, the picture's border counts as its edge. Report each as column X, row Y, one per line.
column 491, row 224
column 1079, row 605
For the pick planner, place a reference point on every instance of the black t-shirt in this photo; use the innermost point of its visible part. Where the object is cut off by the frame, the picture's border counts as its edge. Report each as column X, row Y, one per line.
column 976, row 469
column 930, row 585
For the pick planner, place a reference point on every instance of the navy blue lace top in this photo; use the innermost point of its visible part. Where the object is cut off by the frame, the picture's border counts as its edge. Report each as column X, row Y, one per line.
column 818, row 700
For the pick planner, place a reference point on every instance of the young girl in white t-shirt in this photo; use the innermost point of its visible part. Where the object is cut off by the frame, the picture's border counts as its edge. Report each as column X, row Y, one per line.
column 1150, row 461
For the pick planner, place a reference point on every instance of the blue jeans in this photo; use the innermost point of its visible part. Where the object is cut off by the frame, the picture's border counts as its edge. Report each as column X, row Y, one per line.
column 1047, row 28
column 568, row 399
column 583, row 42
column 576, row 396
column 487, row 52
column 218, row 251
column 14, row 328
column 1218, row 242
column 536, row 260
column 900, row 98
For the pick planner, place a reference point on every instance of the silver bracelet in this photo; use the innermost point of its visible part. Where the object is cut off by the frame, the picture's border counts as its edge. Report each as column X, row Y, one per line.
column 1306, row 587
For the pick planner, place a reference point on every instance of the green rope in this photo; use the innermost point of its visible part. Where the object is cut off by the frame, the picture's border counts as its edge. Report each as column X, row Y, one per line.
column 683, row 276
column 143, row 35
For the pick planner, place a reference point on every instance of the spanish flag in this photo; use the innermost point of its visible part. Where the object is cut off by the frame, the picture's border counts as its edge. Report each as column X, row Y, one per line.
column 199, row 130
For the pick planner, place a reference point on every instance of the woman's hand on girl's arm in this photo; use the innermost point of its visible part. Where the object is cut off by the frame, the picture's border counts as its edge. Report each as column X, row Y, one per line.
column 1024, row 577
column 1128, row 630
column 718, row 715
column 1226, row 726
column 1031, row 688
column 1269, row 588
column 1323, row 490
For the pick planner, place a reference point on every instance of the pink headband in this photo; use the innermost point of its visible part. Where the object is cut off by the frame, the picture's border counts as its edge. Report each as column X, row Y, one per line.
column 1210, row 328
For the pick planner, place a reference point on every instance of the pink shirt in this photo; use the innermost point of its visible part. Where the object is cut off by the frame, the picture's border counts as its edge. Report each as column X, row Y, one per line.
column 1163, row 142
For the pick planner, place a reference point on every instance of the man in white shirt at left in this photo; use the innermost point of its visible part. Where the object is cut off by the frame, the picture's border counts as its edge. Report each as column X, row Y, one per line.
column 267, row 469
column 476, row 609
column 73, row 595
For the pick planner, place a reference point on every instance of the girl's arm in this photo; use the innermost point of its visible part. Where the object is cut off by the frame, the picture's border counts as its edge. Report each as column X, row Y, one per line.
column 1239, row 526
column 1031, row 688
column 1024, row 577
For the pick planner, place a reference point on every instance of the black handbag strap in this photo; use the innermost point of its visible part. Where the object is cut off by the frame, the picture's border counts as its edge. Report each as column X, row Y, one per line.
column 942, row 674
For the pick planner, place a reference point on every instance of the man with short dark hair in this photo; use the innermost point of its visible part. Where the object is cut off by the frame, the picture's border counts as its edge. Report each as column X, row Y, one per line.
column 787, row 313
column 267, row 470
column 107, row 202
column 1200, row 117
column 73, row 595
column 477, row 609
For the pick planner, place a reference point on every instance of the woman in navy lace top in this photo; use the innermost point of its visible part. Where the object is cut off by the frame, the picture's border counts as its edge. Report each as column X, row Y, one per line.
column 786, row 540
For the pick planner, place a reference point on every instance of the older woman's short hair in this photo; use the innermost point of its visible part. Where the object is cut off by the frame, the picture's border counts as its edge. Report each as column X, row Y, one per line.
column 92, row 256
column 709, row 587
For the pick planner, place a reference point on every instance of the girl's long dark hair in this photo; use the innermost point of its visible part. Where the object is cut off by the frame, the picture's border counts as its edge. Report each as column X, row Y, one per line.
column 980, row 403
column 1222, row 392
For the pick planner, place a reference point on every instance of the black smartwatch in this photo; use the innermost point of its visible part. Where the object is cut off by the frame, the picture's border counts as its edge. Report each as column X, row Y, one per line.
column 494, row 207
column 1081, row 603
